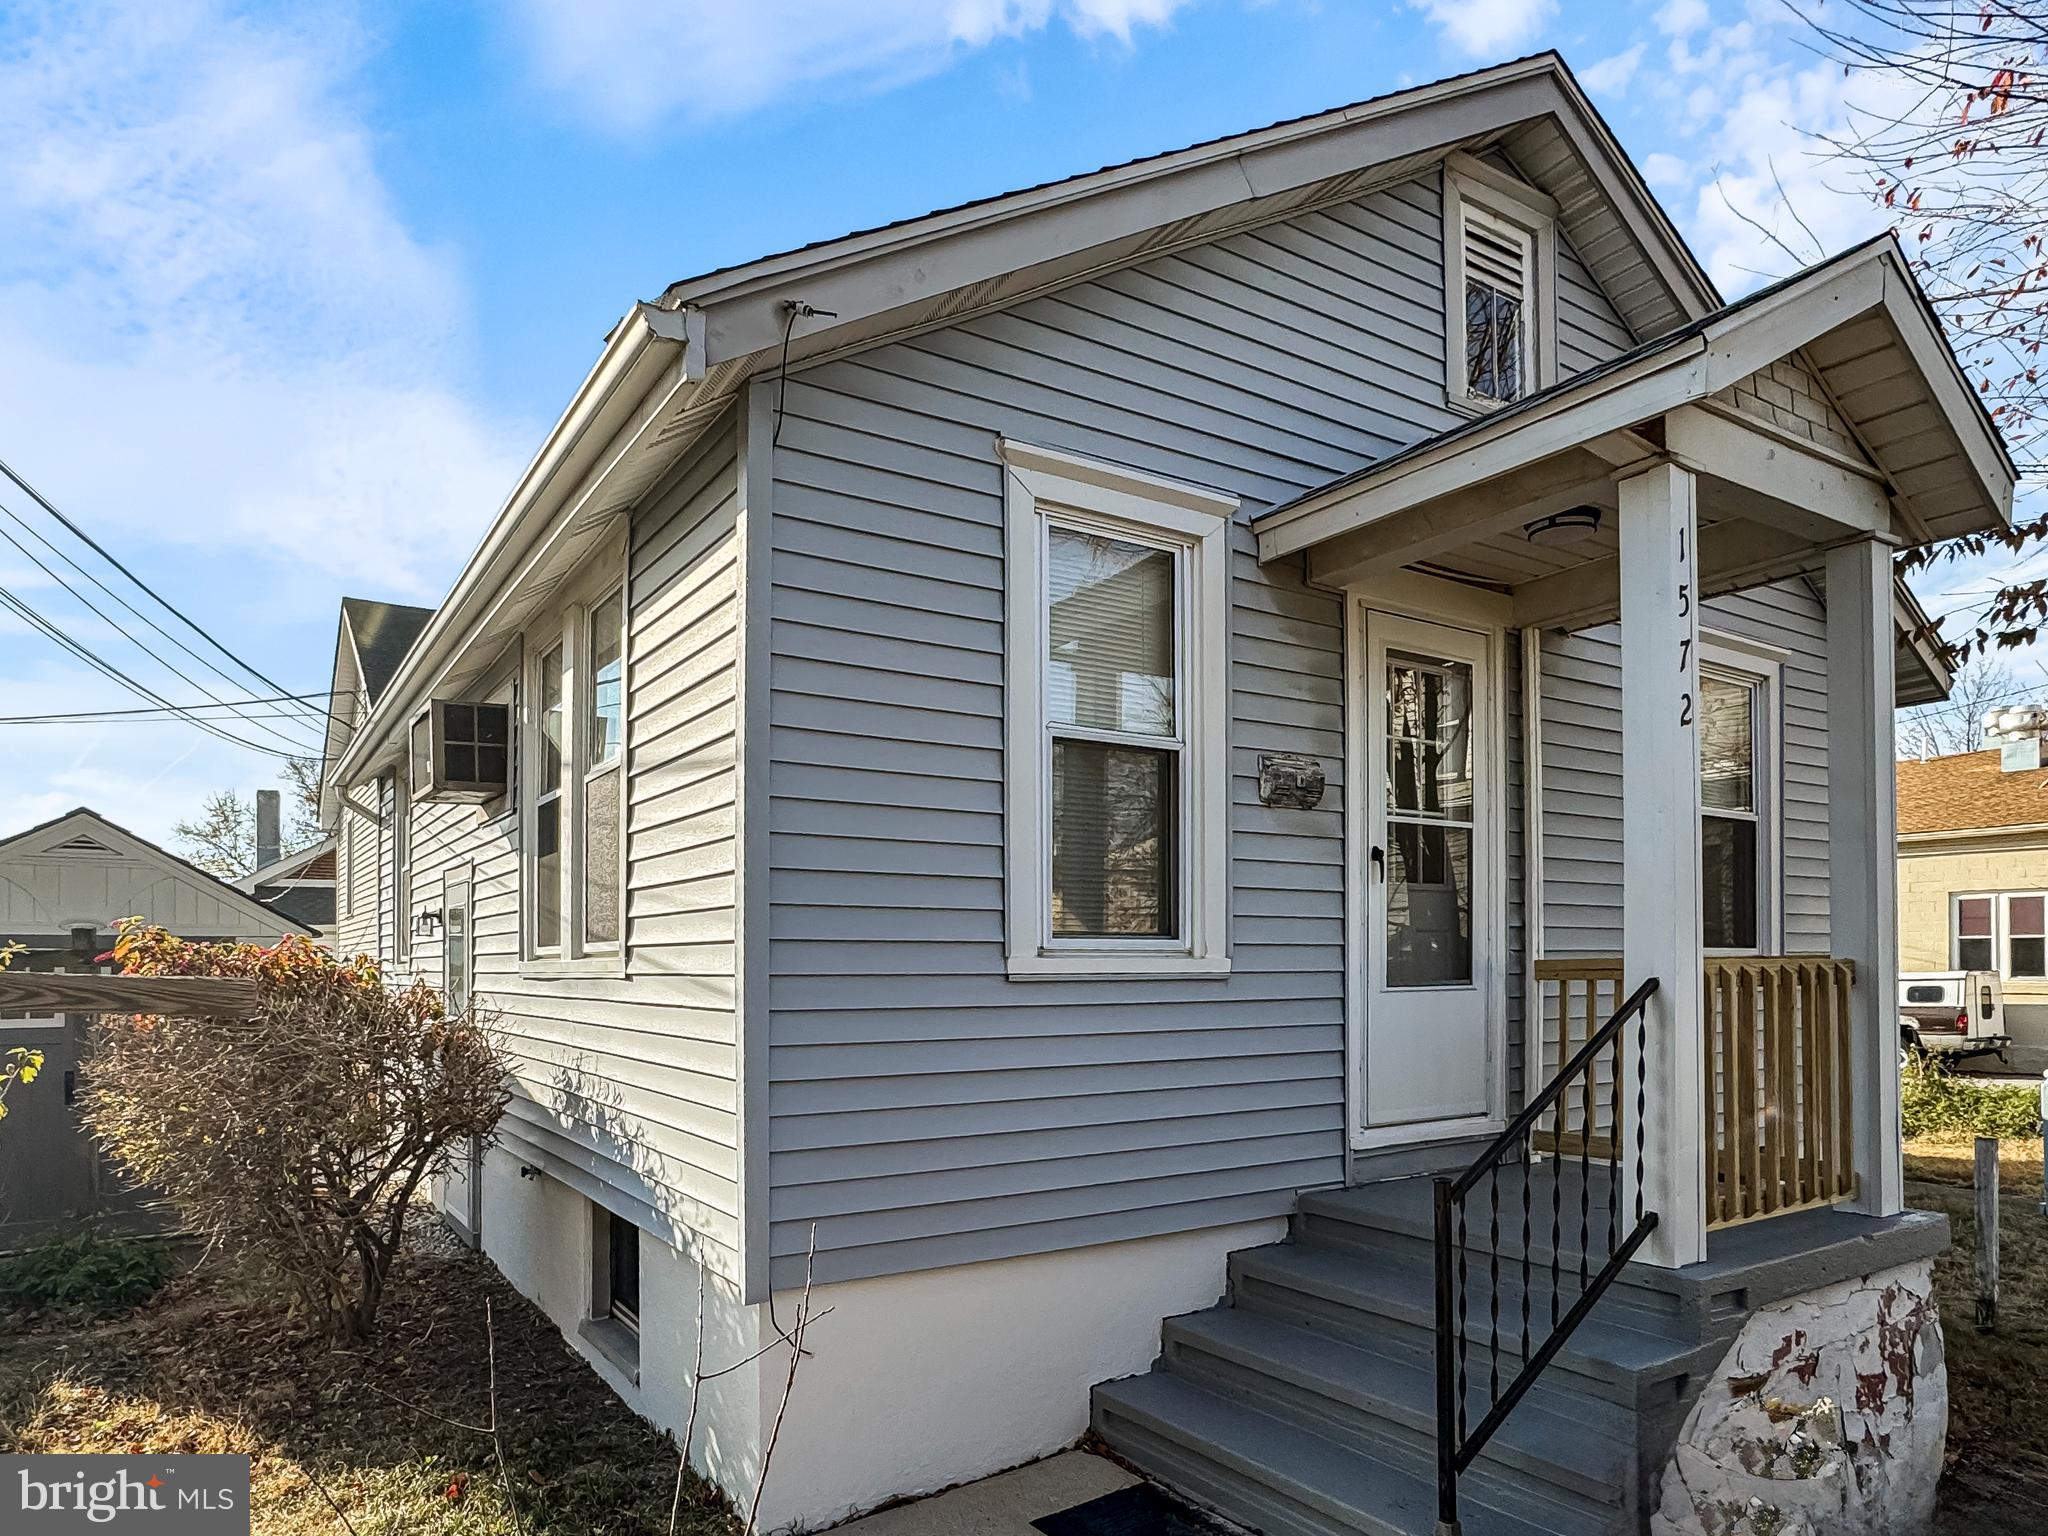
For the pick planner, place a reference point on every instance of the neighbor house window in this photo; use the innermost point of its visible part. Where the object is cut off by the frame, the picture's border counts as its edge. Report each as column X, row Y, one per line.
column 575, row 735
column 1500, row 246
column 1737, row 783
column 1116, row 774
column 2003, row 931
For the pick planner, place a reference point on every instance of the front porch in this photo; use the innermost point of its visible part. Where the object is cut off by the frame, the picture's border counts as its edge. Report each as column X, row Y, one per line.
column 1802, row 435
column 1686, row 1229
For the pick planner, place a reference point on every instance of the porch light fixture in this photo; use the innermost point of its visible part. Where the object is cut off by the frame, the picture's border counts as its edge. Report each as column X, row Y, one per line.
column 1562, row 530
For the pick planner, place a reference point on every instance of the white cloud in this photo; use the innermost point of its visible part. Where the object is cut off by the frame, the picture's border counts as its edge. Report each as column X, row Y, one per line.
column 629, row 64
column 1487, row 27
column 1611, row 75
column 204, row 267
column 227, row 354
column 1662, row 170
column 1768, row 176
column 1675, row 18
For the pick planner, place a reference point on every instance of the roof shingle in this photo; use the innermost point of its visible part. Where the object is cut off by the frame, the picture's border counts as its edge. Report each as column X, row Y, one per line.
column 1967, row 792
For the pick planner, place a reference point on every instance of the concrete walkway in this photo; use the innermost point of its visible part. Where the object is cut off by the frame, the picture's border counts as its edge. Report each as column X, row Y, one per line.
column 1004, row 1505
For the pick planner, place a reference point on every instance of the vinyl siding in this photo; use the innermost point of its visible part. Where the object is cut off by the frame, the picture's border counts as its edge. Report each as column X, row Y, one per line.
column 625, row 1086
column 1582, row 770
column 924, row 1109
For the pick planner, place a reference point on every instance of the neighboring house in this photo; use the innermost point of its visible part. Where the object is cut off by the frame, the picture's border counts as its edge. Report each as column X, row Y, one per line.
column 298, row 886
column 994, row 761
column 1973, row 882
column 63, row 886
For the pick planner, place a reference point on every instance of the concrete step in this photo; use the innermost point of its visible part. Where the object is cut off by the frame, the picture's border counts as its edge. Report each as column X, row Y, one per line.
column 1387, row 1304
column 1573, row 1458
column 1398, row 1219
column 1273, row 1476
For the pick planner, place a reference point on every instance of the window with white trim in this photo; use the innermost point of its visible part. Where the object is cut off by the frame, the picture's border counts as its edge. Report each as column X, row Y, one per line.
column 1738, row 805
column 1117, row 771
column 1500, row 249
column 571, row 801
column 2003, row 931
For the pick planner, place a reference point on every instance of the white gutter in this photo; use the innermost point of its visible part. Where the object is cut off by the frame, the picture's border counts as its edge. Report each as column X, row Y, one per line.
column 644, row 352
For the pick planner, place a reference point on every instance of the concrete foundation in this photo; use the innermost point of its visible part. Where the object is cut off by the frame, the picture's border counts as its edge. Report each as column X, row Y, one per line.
column 911, row 1383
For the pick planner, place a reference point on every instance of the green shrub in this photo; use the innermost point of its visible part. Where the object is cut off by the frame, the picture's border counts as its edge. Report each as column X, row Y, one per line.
column 1933, row 1101
column 81, row 1272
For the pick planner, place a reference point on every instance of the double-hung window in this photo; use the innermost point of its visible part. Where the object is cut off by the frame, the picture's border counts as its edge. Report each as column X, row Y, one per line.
column 1116, row 830
column 575, row 725
column 1738, row 842
column 2003, row 931
column 1500, row 250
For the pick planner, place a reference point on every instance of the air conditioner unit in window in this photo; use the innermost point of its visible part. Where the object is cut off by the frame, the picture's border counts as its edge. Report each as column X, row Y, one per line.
column 461, row 752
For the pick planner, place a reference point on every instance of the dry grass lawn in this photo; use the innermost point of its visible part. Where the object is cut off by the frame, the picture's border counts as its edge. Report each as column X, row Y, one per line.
column 212, row 1365
column 1997, row 1474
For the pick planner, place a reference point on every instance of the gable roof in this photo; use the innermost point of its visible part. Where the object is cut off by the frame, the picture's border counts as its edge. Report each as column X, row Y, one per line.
column 1531, row 108
column 1968, row 792
column 382, row 633
column 1861, row 319
column 315, row 861
column 83, row 833
column 671, row 370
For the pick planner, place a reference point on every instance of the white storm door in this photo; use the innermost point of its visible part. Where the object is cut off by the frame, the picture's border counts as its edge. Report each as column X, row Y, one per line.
column 1429, row 948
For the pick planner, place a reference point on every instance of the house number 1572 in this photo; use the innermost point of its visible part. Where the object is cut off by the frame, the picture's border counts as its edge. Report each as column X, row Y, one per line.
column 1685, row 706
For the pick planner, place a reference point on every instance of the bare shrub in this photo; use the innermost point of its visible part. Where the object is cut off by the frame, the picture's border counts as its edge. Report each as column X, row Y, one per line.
column 301, row 1133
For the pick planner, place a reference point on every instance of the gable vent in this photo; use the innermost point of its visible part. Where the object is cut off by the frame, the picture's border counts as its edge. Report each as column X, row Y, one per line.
column 85, row 847
column 1497, row 255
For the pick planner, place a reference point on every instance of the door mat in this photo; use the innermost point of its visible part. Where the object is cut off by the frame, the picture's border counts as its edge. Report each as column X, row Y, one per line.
column 1140, row 1510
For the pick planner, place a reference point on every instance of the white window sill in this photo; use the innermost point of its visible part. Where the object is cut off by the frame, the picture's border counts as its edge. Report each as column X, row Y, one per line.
column 1116, row 967
column 547, row 968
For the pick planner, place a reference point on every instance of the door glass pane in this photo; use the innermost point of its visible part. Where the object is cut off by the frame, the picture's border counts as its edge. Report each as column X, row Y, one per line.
column 1727, row 744
column 1114, row 839
column 1429, row 905
column 1728, row 881
column 1109, row 632
column 1429, row 738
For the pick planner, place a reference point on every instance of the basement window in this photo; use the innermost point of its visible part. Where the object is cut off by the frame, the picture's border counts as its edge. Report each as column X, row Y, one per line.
column 1500, row 265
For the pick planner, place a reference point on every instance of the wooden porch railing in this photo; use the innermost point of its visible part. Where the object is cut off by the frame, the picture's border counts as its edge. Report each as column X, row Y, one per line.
column 1775, row 1074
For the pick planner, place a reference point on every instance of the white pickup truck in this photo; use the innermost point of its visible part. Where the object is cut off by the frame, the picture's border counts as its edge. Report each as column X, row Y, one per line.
column 1957, row 1014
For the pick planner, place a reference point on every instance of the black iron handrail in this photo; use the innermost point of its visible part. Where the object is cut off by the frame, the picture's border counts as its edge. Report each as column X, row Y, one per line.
column 1457, row 1445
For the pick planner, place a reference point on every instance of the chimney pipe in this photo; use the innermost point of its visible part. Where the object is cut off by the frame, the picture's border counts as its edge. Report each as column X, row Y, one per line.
column 269, row 840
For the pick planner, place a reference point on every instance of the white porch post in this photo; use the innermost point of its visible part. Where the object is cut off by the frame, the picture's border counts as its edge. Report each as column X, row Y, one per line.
column 1863, row 856
column 1660, row 847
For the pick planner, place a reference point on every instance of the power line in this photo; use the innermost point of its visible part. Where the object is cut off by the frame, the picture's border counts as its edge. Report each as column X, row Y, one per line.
column 151, row 714
column 101, row 550
column 299, row 746
column 312, row 717
column 100, row 663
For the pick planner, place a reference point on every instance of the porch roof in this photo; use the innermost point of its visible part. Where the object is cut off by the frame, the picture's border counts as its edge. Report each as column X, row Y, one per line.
column 1887, row 439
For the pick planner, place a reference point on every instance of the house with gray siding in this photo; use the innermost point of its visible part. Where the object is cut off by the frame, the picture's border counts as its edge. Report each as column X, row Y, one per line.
column 1244, row 799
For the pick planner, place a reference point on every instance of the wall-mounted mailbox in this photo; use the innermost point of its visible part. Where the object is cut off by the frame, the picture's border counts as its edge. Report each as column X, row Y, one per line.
column 1290, row 781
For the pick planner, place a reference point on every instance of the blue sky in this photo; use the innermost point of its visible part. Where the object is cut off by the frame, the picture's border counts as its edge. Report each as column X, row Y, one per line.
column 289, row 294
